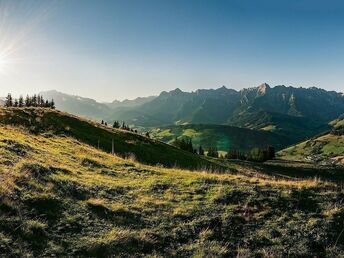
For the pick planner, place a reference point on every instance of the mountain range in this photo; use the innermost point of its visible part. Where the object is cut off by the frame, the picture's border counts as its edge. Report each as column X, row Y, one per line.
column 214, row 106
column 295, row 113
column 88, row 107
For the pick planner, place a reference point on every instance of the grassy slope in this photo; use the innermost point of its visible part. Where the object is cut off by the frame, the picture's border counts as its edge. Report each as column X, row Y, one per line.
column 126, row 143
column 325, row 146
column 222, row 136
column 321, row 148
column 61, row 197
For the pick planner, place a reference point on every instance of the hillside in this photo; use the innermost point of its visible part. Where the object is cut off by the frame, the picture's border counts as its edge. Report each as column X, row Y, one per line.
column 222, row 136
column 326, row 148
column 60, row 198
column 39, row 120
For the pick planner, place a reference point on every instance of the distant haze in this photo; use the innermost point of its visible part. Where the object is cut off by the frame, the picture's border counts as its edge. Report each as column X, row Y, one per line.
column 120, row 49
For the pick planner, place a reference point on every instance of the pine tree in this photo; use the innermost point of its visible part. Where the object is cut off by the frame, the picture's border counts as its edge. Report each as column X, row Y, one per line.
column 232, row 154
column 200, row 151
column 116, row 124
column 41, row 101
column 9, row 100
column 38, row 100
column 52, row 104
column 27, row 101
column 212, row 152
column 34, row 101
column 271, row 152
column 16, row 103
column 21, row 101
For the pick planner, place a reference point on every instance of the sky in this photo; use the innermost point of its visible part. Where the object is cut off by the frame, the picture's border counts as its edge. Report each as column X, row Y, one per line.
column 121, row 49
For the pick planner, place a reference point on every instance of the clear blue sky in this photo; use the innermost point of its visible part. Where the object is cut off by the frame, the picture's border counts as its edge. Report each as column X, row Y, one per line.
column 122, row 49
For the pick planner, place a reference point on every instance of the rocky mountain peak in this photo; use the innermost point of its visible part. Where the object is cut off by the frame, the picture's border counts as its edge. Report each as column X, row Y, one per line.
column 263, row 88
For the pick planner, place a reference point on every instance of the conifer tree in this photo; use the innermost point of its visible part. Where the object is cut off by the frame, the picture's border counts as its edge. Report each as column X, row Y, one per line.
column 116, row 124
column 34, row 100
column 212, row 152
column 21, row 101
column 38, row 100
column 200, row 151
column 27, row 101
column 271, row 152
column 52, row 104
column 9, row 100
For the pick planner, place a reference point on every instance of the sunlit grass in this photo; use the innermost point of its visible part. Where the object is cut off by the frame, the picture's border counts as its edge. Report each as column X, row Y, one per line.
column 55, row 187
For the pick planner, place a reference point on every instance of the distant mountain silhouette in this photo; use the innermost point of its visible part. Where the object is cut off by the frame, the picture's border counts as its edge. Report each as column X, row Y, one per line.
column 89, row 107
column 77, row 105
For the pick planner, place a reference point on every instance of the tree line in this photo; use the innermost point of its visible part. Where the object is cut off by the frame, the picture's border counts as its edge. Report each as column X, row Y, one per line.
column 116, row 124
column 255, row 154
column 29, row 101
